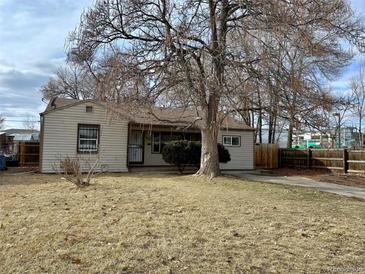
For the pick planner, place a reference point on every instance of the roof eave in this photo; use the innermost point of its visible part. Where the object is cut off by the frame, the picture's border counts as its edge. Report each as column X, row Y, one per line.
column 71, row 105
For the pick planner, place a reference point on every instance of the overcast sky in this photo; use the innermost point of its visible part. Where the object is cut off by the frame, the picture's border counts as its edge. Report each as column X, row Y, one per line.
column 32, row 37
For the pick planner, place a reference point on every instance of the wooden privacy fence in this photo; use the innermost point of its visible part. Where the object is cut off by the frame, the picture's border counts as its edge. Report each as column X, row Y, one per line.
column 266, row 155
column 346, row 160
column 28, row 154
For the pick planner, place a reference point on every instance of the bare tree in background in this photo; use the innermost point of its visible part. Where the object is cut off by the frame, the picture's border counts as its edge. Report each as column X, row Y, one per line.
column 30, row 123
column 339, row 114
column 357, row 85
column 293, row 70
column 2, row 121
column 192, row 51
column 70, row 81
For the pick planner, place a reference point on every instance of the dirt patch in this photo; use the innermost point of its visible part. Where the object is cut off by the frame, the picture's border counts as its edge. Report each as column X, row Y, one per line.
column 135, row 223
column 323, row 175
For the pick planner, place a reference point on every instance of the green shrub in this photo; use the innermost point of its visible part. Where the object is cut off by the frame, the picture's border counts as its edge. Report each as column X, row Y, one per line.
column 224, row 156
column 184, row 153
column 181, row 153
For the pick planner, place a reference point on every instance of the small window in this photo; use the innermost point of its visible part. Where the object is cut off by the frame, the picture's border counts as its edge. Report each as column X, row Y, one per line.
column 88, row 138
column 89, row 109
column 232, row 141
column 156, row 142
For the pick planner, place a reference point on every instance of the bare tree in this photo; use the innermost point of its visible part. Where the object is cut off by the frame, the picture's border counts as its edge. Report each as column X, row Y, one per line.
column 2, row 121
column 357, row 85
column 293, row 69
column 70, row 81
column 30, row 123
column 339, row 114
column 192, row 51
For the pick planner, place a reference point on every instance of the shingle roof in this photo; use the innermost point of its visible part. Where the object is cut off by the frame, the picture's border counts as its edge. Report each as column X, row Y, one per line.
column 59, row 102
column 180, row 117
column 158, row 116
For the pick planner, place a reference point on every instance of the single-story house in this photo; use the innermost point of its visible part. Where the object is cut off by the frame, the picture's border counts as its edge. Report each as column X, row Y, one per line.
column 88, row 130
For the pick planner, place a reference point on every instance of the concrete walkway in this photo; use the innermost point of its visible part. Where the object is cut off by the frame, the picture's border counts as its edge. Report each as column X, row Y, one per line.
column 343, row 190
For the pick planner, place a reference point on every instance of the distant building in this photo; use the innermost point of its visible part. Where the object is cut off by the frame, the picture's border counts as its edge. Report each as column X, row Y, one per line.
column 349, row 138
column 22, row 134
column 312, row 140
column 10, row 138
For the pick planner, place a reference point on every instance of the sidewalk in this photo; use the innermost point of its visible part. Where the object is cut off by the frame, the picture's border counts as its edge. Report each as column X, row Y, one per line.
column 343, row 190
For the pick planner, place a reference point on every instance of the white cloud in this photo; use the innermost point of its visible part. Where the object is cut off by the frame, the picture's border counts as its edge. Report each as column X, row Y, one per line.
column 32, row 35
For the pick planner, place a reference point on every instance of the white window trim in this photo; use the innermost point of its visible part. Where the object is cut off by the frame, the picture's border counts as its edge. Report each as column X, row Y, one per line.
column 230, row 144
column 88, row 149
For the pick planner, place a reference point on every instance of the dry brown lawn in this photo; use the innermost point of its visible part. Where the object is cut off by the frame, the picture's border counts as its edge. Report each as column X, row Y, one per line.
column 323, row 175
column 149, row 223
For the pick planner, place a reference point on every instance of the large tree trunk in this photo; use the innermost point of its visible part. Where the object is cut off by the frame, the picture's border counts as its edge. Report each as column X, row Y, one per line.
column 271, row 128
column 273, row 134
column 290, row 134
column 209, row 161
column 260, row 127
column 361, row 139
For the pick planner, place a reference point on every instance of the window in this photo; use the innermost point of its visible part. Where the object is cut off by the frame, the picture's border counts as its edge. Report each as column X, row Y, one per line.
column 89, row 109
column 160, row 139
column 88, row 138
column 156, row 142
column 234, row 141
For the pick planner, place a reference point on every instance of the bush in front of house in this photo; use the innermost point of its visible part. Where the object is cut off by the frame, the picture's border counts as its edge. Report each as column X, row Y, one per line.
column 71, row 170
column 181, row 154
column 184, row 153
column 223, row 153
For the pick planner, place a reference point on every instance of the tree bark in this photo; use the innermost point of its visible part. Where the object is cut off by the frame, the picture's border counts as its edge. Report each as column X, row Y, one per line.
column 209, row 162
column 260, row 127
column 273, row 134
column 290, row 134
column 361, row 140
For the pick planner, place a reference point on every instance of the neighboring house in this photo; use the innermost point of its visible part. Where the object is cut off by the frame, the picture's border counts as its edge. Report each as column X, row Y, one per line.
column 11, row 138
column 86, row 129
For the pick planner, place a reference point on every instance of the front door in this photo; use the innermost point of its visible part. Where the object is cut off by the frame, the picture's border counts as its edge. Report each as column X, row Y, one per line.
column 135, row 147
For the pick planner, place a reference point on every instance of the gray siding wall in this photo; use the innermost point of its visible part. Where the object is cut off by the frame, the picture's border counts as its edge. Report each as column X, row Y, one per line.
column 242, row 157
column 151, row 159
column 60, row 138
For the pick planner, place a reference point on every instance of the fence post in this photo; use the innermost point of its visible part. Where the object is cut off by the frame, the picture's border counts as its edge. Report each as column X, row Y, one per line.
column 345, row 160
column 309, row 158
column 21, row 152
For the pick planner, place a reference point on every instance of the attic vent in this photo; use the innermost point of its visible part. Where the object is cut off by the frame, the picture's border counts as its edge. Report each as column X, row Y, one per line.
column 89, row 109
